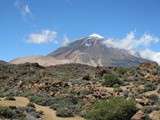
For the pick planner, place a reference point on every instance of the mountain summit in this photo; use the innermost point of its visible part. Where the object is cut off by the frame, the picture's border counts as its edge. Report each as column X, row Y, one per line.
column 91, row 50
column 94, row 35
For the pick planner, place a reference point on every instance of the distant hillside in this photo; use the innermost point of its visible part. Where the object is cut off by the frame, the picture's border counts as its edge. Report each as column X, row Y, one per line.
column 42, row 60
column 2, row 62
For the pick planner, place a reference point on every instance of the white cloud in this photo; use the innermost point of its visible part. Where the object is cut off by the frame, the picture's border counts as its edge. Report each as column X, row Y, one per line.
column 128, row 42
column 45, row 36
column 66, row 41
column 151, row 55
column 148, row 39
column 26, row 9
column 131, row 42
column 136, row 44
column 23, row 7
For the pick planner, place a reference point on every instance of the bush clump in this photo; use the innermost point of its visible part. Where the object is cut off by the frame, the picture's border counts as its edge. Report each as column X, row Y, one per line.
column 7, row 112
column 65, row 112
column 110, row 80
column 67, row 106
column 149, row 86
column 116, row 108
column 122, row 70
column 37, row 99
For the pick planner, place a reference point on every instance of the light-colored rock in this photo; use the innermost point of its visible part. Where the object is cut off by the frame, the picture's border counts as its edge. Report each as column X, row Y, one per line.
column 155, row 115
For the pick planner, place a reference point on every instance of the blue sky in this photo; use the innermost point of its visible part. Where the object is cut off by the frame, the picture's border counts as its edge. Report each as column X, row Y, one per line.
column 37, row 27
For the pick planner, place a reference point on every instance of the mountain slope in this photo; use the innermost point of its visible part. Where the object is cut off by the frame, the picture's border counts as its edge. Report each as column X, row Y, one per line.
column 41, row 60
column 92, row 51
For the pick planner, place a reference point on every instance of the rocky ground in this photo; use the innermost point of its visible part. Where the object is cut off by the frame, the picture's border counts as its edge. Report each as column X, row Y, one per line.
column 72, row 89
column 19, row 109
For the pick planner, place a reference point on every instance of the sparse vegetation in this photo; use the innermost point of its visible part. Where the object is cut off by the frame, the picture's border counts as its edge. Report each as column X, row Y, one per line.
column 67, row 106
column 154, row 99
column 149, row 86
column 12, row 113
column 36, row 99
column 116, row 108
column 64, row 112
column 6, row 112
column 110, row 80
column 72, row 89
column 122, row 70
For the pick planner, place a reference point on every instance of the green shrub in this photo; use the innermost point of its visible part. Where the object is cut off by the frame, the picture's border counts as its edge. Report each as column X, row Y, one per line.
column 65, row 112
column 66, row 106
column 154, row 99
column 7, row 112
column 149, row 86
column 116, row 86
column 116, row 108
column 122, row 70
column 110, row 80
column 37, row 99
